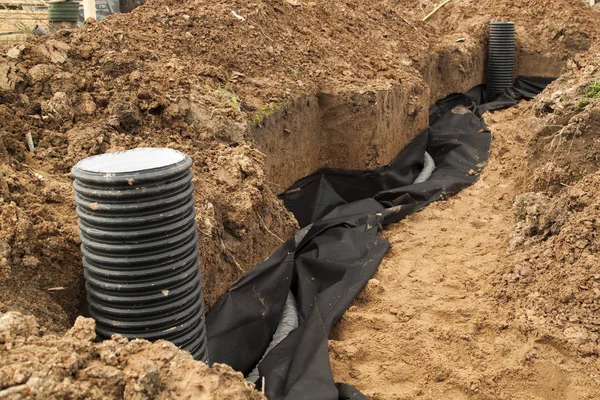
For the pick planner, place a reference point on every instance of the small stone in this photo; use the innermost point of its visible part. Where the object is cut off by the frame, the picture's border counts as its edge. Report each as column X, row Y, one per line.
column 15, row 52
column 84, row 329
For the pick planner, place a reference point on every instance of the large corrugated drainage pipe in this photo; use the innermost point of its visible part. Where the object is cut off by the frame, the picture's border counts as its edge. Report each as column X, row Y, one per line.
column 65, row 11
column 63, row 15
column 139, row 243
column 501, row 58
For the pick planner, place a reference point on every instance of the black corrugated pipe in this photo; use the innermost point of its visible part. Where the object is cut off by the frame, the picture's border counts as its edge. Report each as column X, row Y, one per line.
column 139, row 243
column 501, row 58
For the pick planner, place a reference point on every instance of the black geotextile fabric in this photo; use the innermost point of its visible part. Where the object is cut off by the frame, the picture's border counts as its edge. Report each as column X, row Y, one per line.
column 327, row 263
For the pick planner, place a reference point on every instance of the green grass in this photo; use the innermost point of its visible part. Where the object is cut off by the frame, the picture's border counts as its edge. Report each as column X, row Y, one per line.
column 593, row 90
column 263, row 112
column 583, row 103
column 234, row 102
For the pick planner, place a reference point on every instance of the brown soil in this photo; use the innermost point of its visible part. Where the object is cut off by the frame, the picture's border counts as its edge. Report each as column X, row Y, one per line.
column 72, row 115
column 73, row 366
column 554, row 245
column 494, row 293
column 195, row 77
column 314, row 83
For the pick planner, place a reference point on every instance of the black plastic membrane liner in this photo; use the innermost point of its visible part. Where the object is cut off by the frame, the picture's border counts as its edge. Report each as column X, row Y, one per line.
column 339, row 251
column 139, row 244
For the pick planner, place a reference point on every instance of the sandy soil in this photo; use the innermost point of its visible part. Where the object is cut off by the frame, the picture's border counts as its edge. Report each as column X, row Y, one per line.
column 492, row 294
column 73, row 366
column 452, row 313
column 194, row 77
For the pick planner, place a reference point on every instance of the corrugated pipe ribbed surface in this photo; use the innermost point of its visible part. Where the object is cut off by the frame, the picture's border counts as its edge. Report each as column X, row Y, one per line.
column 501, row 58
column 139, row 243
column 66, row 11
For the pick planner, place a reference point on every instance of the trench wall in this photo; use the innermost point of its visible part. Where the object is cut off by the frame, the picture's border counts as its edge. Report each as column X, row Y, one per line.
column 363, row 129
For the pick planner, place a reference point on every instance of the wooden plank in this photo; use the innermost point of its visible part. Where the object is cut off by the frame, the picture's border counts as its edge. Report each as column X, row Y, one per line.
column 36, row 17
column 17, row 3
column 22, row 19
column 25, row 3
column 22, row 24
column 89, row 9
column 7, row 16
column 33, row 9
column 14, row 21
column 27, row 26
column 9, row 13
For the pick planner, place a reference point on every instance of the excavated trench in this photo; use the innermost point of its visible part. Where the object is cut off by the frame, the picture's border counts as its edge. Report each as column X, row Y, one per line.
column 364, row 129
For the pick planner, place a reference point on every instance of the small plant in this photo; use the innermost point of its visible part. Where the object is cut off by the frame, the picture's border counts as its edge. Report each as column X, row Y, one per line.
column 233, row 100
column 593, row 90
column 235, row 103
column 263, row 112
column 583, row 103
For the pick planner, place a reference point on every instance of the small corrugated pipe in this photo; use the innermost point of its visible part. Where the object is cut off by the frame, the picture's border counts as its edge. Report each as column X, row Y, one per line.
column 428, row 167
column 501, row 59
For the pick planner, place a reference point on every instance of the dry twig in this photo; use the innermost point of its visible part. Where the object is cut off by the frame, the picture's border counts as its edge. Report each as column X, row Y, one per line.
column 408, row 23
column 442, row 4
column 268, row 230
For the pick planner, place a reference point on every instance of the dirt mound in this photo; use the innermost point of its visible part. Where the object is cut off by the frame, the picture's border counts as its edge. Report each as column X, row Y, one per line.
column 40, row 250
column 557, row 270
column 73, row 366
column 195, row 76
column 460, row 309
column 556, row 276
column 72, row 115
column 198, row 76
column 561, row 27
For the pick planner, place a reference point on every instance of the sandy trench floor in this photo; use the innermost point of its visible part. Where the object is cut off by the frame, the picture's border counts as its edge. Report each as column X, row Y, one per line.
column 429, row 326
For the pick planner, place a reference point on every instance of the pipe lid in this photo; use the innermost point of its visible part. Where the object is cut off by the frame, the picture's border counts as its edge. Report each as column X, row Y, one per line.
column 135, row 160
column 143, row 164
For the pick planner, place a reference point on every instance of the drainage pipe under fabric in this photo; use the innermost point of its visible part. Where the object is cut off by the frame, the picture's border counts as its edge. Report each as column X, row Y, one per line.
column 428, row 167
column 341, row 251
column 289, row 316
column 287, row 323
